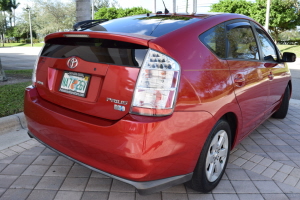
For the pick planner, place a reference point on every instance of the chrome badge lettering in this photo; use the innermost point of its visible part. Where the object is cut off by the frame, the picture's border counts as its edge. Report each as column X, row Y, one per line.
column 117, row 101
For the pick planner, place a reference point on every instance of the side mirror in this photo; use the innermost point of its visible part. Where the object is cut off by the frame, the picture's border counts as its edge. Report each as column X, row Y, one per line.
column 288, row 57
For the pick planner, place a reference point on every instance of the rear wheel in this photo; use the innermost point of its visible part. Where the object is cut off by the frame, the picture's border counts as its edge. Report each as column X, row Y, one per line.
column 284, row 107
column 213, row 159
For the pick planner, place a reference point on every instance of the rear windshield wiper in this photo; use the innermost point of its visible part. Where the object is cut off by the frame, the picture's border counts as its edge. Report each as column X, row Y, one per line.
column 83, row 25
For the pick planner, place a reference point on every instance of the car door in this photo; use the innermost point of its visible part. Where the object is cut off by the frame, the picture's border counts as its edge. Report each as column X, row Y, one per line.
column 277, row 72
column 249, row 74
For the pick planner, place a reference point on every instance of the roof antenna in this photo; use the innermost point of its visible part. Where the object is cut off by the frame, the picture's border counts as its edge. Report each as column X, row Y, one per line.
column 166, row 10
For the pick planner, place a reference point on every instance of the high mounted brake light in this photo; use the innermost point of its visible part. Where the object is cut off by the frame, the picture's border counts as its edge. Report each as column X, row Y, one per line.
column 156, row 89
column 77, row 35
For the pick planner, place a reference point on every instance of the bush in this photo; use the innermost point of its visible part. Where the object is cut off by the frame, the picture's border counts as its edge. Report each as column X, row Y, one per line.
column 113, row 13
column 36, row 41
column 289, row 42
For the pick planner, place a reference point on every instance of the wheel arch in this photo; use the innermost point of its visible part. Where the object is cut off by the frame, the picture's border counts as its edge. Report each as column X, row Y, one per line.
column 232, row 120
column 291, row 88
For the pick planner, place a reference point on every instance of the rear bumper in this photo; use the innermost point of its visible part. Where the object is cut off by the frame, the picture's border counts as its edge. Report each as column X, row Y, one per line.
column 148, row 153
column 144, row 188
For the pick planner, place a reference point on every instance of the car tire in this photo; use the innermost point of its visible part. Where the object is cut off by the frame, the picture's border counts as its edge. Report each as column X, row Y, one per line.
column 213, row 159
column 284, row 106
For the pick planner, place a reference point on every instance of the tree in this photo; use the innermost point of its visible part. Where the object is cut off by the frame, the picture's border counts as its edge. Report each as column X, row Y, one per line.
column 284, row 14
column 113, row 13
column 19, row 31
column 105, row 3
column 51, row 16
column 293, row 34
column 4, row 7
column 233, row 6
column 14, row 5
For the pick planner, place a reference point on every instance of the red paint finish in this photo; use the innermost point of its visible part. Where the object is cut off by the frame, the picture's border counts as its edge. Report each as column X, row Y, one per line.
column 107, row 81
column 143, row 148
column 252, row 95
column 135, row 147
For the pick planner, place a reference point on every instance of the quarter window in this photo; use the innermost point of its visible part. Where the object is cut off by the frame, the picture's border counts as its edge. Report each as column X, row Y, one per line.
column 214, row 39
column 241, row 42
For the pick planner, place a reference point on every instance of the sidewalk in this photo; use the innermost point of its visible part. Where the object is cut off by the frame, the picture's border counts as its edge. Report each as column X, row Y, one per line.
column 266, row 165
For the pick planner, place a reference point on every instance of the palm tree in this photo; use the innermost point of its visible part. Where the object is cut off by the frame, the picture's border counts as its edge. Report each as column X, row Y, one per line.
column 14, row 5
column 4, row 7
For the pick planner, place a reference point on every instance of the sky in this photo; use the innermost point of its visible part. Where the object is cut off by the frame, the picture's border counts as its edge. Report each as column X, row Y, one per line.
column 202, row 6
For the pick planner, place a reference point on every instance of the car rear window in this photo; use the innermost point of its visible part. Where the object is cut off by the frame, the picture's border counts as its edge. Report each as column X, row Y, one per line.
column 96, row 50
column 151, row 26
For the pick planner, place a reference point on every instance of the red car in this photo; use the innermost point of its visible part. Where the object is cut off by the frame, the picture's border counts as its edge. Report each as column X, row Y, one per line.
column 157, row 100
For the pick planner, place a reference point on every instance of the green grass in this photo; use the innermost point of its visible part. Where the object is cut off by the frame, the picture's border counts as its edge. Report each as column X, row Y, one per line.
column 290, row 48
column 22, row 72
column 12, row 98
column 22, row 45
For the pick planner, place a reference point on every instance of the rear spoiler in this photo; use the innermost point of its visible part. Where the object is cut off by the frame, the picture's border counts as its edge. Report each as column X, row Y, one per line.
column 125, row 37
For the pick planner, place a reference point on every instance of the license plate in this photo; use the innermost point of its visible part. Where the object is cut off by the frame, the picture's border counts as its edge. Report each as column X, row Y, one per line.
column 75, row 83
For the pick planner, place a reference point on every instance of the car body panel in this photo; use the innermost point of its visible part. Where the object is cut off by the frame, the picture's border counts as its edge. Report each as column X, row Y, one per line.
column 143, row 148
column 132, row 148
column 107, row 81
column 252, row 94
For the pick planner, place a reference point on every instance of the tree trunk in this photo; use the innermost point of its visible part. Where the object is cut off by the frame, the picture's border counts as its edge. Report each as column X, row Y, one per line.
column 5, row 22
column 276, row 35
column 2, row 73
column 14, row 11
column 2, row 39
column 83, row 10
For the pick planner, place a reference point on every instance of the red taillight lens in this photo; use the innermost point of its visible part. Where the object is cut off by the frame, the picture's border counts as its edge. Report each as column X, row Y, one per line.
column 157, row 85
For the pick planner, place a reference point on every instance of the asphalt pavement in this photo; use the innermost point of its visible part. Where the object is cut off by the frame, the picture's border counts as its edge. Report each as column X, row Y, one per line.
column 18, row 57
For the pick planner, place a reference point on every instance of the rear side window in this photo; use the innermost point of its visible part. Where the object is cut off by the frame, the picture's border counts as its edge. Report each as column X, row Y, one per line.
column 96, row 50
column 214, row 39
column 241, row 42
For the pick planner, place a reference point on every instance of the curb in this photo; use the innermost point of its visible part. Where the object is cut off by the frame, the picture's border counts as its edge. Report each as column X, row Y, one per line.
column 12, row 123
column 18, row 121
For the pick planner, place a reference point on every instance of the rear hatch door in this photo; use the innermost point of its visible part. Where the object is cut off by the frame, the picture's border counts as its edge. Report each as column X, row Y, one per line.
column 92, row 73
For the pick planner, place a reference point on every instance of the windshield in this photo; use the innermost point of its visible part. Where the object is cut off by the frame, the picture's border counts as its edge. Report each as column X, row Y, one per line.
column 151, row 26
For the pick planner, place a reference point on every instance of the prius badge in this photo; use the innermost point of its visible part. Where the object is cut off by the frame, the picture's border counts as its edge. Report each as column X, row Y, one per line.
column 72, row 63
column 116, row 106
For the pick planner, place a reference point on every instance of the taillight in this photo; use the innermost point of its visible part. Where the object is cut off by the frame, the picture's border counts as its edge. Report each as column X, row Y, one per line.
column 156, row 88
column 34, row 69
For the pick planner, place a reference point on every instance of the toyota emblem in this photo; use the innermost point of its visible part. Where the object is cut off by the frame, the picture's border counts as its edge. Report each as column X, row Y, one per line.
column 72, row 62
